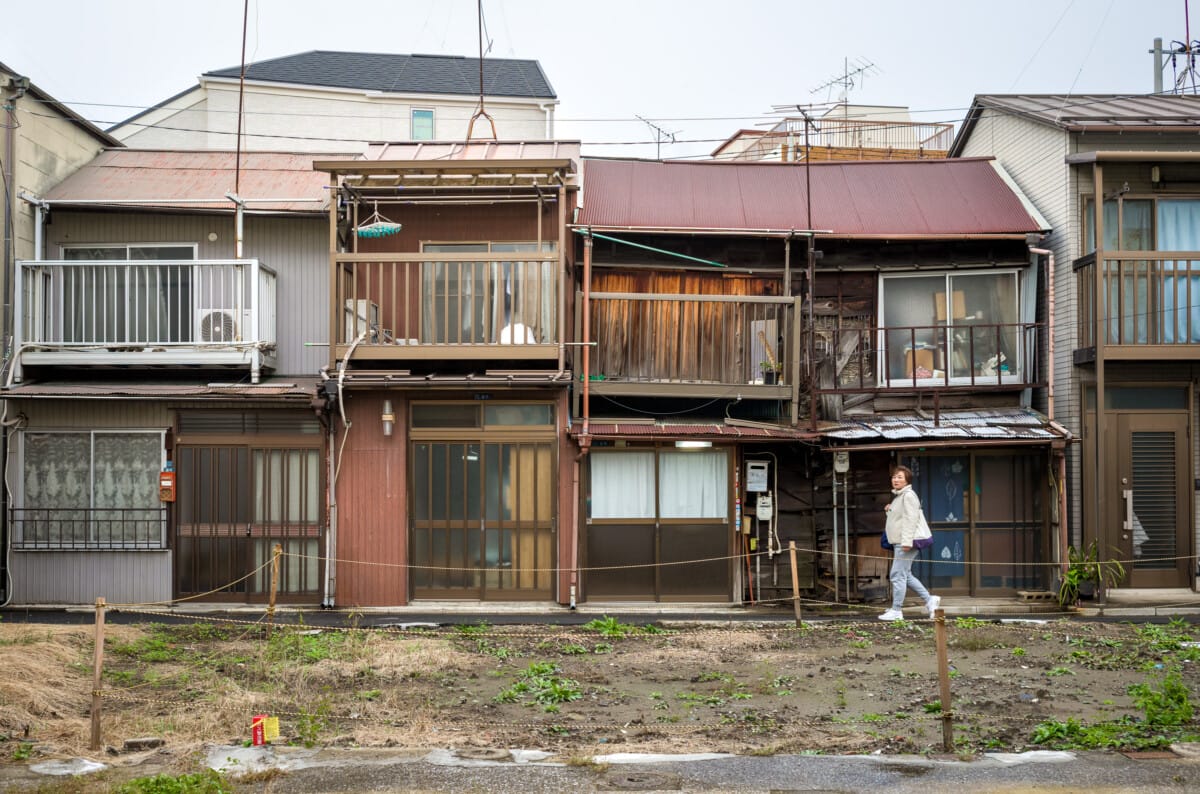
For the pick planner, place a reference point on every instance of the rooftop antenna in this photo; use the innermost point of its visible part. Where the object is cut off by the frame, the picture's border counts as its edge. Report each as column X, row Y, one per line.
column 660, row 135
column 481, row 111
column 850, row 77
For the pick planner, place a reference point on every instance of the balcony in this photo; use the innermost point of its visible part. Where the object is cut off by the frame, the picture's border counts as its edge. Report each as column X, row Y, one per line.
column 692, row 345
column 457, row 306
column 169, row 313
column 1151, row 301
column 958, row 357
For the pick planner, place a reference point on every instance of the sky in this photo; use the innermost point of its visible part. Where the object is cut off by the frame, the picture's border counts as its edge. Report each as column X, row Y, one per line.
column 697, row 70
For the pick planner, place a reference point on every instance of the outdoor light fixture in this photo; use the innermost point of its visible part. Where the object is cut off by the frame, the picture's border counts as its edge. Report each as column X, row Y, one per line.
column 389, row 418
column 693, row 444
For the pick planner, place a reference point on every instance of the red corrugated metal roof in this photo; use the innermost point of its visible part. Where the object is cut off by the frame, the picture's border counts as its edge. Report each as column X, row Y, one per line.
column 863, row 198
column 176, row 179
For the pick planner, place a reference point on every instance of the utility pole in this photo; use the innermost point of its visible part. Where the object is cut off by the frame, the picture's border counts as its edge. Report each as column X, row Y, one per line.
column 660, row 135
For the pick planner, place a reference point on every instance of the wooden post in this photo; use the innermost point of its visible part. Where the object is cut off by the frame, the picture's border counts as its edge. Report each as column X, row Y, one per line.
column 795, row 582
column 276, row 552
column 939, row 628
column 97, row 671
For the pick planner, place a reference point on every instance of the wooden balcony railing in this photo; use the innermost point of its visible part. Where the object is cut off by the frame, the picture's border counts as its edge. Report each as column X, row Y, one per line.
column 1150, row 300
column 161, row 312
column 692, row 339
column 65, row 529
column 962, row 356
column 460, row 306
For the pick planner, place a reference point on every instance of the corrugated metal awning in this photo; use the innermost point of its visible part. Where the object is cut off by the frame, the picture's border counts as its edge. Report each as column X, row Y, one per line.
column 699, row 431
column 987, row 427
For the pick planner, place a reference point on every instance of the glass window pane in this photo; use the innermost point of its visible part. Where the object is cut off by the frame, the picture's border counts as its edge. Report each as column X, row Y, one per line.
column 693, row 484
column 445, row 415
column 178, row 252
column 1137, row 231
column 518, row 415
column 912, row 307
column 422, row 125
column 1178, row 225
column 455, row 248
column 420, row 481
column 984, row 338
column 622, row 484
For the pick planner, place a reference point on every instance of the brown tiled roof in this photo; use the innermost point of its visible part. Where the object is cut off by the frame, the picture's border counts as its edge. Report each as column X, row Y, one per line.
column 925, row 198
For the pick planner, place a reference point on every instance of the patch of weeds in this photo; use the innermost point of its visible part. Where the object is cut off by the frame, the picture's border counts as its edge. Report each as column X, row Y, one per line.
column 200, row 632
column 860, row 644
column 933, row 707
column 840, row 691
column 782, row 684
column 754, row 720
column 712, row 676
column 311, row 724
column 1125, row 733
column 151, row 648
column 872, row 717
column 967, row 622
column 660, row 703
column 22, row 752
column 572, row 649
column 473, row 629
column 602, row 648
column 207, row 782
column 609, row 627
column 541, row 683
column 305, row 647
column 558, row 730
column 369, row 694
column 1164, row 701
column 1054, row 672
column 1018, row 651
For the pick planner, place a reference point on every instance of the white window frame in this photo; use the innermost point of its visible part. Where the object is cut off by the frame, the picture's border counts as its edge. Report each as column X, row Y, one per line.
column 194, row 247
column 1016, row 372
column 412, row 123
column 91, row 433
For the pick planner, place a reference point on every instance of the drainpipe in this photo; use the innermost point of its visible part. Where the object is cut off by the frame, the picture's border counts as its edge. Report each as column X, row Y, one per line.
column 1063, row 538
column 548, row 109
column 331, row 530
column 587, row 330
column 240, row 207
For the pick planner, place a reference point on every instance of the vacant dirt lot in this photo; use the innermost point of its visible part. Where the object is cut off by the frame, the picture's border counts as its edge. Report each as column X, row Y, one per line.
column 831, row 687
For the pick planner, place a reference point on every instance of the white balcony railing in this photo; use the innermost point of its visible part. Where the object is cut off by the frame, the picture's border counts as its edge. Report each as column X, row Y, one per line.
column 145, row 313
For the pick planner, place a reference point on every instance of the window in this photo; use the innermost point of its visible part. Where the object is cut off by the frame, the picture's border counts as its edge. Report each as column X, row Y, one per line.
column 422, row 125
column 90, row 489
column 493, row 302
column 951, row 326
column 116, row 300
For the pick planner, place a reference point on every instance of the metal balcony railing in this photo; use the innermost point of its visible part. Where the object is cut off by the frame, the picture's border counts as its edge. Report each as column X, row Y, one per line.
column 65, row 529
column 963, row 356
column 1149, row 299
column 81, row 312
column 448, row 301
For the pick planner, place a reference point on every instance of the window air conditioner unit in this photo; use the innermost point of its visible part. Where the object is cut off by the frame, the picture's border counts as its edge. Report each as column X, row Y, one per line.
column 221, row 326
column 362, row 315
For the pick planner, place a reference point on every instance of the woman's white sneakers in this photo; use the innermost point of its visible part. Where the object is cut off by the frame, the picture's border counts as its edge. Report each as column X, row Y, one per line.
column 932, row 604
column 892, row 614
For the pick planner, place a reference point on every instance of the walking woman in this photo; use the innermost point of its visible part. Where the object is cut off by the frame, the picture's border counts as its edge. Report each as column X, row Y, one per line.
column 906, row 526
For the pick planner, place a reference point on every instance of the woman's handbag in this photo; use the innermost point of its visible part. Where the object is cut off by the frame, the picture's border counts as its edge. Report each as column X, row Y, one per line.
column 883, row 542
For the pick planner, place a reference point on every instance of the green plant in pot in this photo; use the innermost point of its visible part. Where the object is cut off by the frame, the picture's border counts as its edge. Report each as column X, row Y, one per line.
column 770, row 371
column 1086, row 573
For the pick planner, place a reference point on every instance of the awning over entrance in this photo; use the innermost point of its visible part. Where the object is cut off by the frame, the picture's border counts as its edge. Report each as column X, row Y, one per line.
column 978, row 427
column 701, row 432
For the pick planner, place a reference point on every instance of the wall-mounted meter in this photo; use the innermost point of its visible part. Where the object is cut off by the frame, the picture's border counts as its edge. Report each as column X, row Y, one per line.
column 841, row 461
column 765, row 507
column 756, row 476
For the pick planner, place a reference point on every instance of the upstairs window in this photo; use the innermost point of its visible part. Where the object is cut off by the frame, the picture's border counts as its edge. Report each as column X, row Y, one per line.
column 422, row 125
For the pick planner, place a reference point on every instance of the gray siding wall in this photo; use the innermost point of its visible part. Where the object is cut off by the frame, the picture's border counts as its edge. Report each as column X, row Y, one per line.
column 296, row 248
column 78, row 577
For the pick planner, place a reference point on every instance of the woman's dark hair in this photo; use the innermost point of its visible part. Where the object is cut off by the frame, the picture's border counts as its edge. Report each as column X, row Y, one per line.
column 907, row 472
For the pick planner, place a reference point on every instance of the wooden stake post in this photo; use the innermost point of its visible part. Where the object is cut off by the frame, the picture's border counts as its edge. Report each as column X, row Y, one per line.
column 939, row 628
column 97, row 672
column 276, row 552
column 795, row 582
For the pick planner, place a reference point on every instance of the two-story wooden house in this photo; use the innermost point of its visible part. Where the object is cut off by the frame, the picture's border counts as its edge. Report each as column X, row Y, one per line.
column 170, row 324
column 1118, row 176
column 760, row 342
column 448, row 374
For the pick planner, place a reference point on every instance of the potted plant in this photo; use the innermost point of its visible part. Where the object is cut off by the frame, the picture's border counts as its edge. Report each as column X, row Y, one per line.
column 770, row 372
column 1086, row 574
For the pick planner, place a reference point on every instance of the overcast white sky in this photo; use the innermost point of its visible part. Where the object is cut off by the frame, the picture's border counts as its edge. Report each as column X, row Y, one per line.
column 698, row 68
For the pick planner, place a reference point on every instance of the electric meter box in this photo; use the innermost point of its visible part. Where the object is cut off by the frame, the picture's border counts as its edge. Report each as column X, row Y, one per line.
column 756, row 475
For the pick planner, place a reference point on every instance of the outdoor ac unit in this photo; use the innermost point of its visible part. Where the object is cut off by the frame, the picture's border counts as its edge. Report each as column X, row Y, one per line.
column 362, row 315
column 221, row 325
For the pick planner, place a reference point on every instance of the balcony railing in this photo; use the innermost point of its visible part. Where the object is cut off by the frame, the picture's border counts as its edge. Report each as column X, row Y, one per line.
column 160, row 313
column 961, row 356
column 66, row 529
column 462, row 306
column 1150, row 299
column 693, row 340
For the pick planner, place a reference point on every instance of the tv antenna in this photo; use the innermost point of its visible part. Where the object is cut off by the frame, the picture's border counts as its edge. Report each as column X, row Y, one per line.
column 853, row 74
column 660, row 135
column 481, row 112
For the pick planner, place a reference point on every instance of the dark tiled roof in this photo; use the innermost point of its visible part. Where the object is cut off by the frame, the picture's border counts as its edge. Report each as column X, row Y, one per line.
column 406, row 74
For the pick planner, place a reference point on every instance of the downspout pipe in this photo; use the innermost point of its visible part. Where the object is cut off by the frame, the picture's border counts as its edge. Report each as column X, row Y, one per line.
column 238, row 224
column 1063, row 537
column 587, row 332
